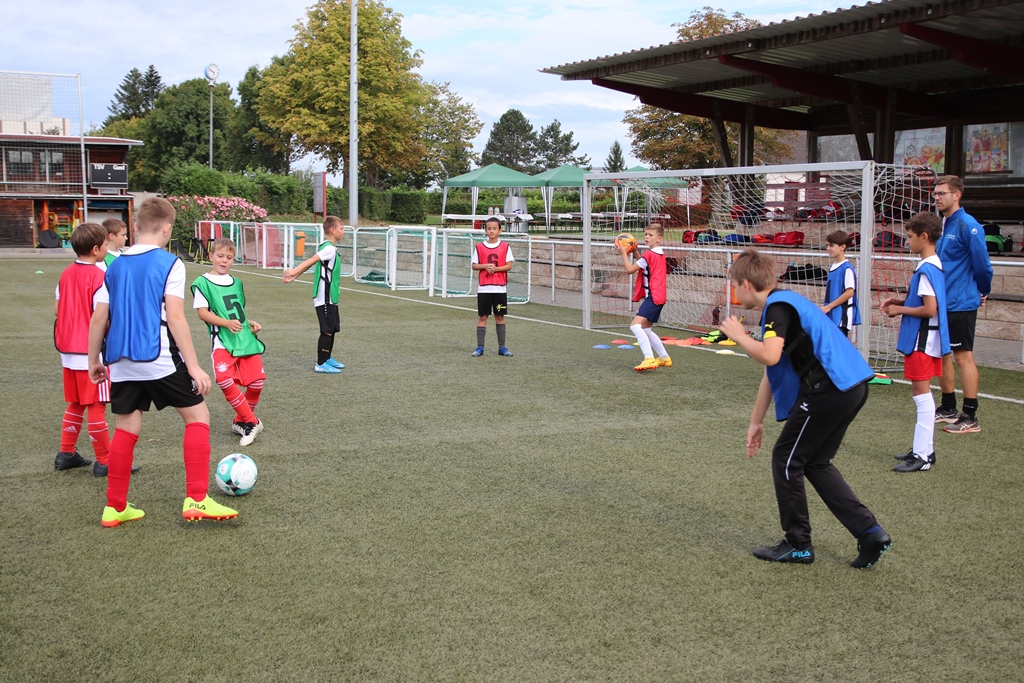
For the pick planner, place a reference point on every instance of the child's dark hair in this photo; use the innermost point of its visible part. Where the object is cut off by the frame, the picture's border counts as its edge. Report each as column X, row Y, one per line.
column 493, row 219
column 221, row 243
column 87, row 237
column 755, row 268
column 926, row 224
column 114, row 226
column 839, row 238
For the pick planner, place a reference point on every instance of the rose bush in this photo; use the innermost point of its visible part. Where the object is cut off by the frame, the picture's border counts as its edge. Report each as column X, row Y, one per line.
column 192, row 208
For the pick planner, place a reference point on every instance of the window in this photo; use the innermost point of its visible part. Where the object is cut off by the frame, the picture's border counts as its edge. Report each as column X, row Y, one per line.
column 55, row 163
column 19, row 162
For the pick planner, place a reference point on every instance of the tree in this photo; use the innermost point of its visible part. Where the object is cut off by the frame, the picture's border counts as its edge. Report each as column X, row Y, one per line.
column 512, row 143
column 616, row 161
column 555, row 148
column 252, row 143
column 449, row 126
column 177, row 130
column 306, row 92
column 666, row 139
column 136, row 95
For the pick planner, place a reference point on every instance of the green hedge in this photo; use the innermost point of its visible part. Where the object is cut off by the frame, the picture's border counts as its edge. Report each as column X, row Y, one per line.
column 408, row 207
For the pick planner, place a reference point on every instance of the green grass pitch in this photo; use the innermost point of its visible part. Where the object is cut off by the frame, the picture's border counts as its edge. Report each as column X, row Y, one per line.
column 428, row 516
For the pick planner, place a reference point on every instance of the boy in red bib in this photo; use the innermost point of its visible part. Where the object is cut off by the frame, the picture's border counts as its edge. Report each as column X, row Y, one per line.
column 652, row 290
column 492, row 259
column 73, row 308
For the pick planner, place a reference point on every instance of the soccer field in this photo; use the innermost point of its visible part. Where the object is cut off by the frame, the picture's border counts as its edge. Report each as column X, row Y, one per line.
column 428, row 516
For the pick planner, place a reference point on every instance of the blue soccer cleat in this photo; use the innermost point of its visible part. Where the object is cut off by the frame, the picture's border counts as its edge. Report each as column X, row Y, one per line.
column 335, row 364
column 326, row 369
column 479, row 351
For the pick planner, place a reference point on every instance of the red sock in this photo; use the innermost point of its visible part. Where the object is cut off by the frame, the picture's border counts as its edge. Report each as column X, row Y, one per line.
column 196, row 446
column 99, row 432
column 70, row 427
column 119, row 474
column 236, row 399
column 252, row 393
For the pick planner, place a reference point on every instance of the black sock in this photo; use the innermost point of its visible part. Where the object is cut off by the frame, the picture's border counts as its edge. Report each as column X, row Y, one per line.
column 949, row 401
column 971, row 407
column 481, row 333
column 501, row 333
column 324, row 347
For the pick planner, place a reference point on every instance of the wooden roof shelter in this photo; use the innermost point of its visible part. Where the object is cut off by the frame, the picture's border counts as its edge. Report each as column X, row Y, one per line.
column 877, row 68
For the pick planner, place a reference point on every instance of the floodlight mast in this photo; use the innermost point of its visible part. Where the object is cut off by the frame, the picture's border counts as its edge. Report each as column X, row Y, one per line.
column 353, row 123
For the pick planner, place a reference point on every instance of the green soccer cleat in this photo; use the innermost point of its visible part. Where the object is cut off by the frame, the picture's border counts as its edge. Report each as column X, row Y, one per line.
column 112, row 517
column 207, row 508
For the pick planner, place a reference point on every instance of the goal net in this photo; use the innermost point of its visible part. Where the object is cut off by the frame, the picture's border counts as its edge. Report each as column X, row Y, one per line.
column 397, row 257
column 786, row 212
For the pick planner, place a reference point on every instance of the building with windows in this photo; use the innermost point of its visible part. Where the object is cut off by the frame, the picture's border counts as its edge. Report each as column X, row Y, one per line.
column 53, row 182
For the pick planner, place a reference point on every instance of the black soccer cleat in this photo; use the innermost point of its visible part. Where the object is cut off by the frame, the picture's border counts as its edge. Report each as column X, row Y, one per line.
column 68, row 461
column 870, row 548
column 914, row 463
column 784, row 552
column 100, row 470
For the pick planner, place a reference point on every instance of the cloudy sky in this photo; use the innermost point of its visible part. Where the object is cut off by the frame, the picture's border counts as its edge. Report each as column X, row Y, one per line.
column 489, row 52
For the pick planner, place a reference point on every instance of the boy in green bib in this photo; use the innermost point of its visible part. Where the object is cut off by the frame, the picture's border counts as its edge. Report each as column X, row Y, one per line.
column 237, row 363
column 326, row 287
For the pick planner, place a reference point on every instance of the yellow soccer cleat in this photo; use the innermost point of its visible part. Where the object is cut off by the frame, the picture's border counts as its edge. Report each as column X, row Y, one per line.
column 665, row 362
column 207, row 508
column 650, row 363
column 112, row 517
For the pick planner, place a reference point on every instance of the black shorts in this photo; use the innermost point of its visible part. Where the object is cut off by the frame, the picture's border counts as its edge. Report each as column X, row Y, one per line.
column 488, row 302
column 327, row 314
column 961, row 329
column 177, row 390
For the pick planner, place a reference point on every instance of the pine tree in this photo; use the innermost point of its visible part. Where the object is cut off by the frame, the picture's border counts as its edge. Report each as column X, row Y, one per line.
column 152, row 86
column 555, row 148
column 136, row 95
column 512, row 143
column 616, row 161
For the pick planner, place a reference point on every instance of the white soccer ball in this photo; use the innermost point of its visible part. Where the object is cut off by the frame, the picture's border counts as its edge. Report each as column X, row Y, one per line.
column 236, row 474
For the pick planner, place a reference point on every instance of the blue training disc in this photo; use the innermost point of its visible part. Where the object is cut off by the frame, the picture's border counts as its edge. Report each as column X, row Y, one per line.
column 602, row 346
column 626, row 346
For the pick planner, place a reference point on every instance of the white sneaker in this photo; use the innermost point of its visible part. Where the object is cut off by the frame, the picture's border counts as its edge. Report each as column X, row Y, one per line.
column 238, row 428
column 250, row 431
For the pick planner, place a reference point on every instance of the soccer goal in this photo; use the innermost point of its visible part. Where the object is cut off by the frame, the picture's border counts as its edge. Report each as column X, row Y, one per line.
column 454, row 276
column 786, row 211
column 397, row 257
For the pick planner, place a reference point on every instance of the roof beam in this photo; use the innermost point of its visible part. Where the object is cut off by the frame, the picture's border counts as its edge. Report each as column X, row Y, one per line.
column 709, row 107
column 748, row 42
column 996, row 58
column 839, row 89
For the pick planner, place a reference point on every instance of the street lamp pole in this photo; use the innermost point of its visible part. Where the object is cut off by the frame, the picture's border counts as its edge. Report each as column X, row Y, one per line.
column 211, row 72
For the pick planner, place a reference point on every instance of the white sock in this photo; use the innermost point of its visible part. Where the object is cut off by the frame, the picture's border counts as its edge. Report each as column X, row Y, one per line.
column 924, row 430
column 656, row 343
column 641, row 336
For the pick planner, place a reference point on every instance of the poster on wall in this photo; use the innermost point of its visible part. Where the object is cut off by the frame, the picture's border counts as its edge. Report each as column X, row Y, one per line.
column 922, row 147
column 987, row 148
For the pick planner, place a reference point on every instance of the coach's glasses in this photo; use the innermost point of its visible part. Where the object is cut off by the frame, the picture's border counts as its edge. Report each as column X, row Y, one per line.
column 941, row 194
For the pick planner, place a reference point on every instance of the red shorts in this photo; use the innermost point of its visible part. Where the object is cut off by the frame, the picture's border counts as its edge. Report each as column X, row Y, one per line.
column 919, row 365
column 78, row 388
column 244, row 370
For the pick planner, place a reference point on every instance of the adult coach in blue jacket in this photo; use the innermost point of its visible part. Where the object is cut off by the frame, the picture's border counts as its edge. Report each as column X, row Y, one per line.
column 968, row 272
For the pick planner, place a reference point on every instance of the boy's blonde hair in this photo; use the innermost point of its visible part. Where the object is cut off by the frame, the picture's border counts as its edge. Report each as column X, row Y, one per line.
column 926, row 224
column 222, row 243
column 333, row 223
column 154, row 214
column 755, row 268
column 114, row 226
column 656, row 227
column 87, row 237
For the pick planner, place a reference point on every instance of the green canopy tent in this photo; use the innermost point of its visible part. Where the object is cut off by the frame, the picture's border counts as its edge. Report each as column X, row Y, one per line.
column 563, row 176
column 492, row 175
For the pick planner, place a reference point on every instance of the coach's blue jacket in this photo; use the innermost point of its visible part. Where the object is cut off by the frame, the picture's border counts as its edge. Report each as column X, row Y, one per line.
column 965, row 262
column 840, row 359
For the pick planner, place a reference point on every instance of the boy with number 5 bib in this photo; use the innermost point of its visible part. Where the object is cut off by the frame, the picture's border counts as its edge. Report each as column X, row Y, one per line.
column 237, row 365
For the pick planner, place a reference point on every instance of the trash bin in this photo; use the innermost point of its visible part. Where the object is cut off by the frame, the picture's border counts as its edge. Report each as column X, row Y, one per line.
column 300, row 245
